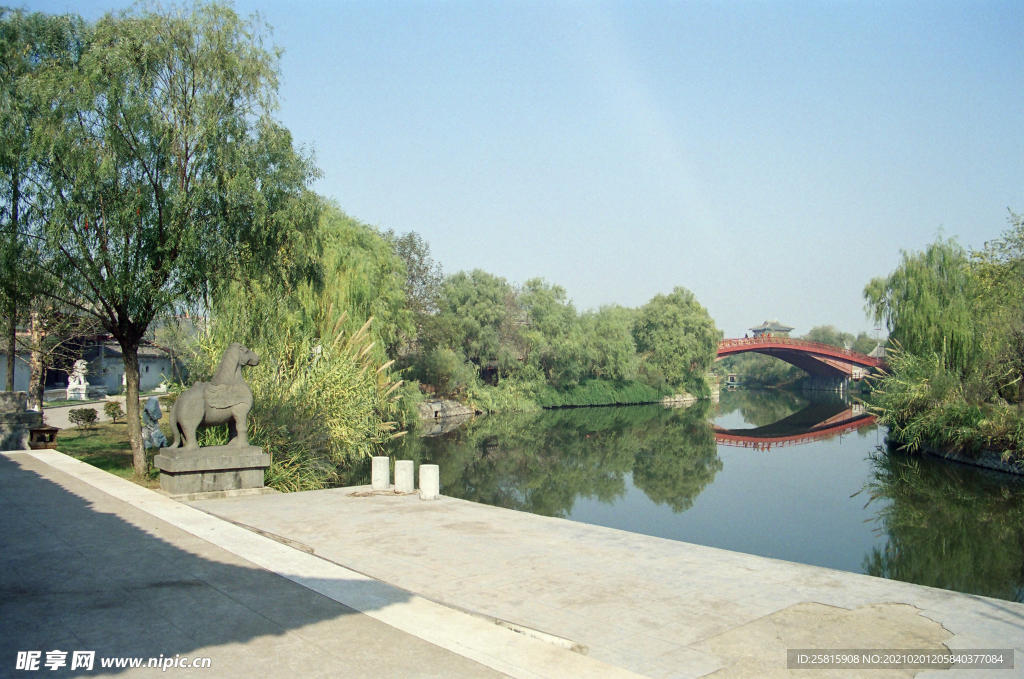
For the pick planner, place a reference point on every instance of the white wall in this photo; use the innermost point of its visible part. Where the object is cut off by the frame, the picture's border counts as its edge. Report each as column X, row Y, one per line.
column 22, row 374
column 151, row 373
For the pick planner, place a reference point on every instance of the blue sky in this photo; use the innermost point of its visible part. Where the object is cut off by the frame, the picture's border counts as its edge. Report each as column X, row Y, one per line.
column 771, row 157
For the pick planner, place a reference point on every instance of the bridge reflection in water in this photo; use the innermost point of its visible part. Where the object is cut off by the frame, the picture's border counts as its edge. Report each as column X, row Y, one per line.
column 818, row 421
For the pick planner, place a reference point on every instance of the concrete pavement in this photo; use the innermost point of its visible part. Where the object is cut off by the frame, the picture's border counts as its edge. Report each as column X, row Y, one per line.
column 660, row 608
column 82, row 570
column 418, row 637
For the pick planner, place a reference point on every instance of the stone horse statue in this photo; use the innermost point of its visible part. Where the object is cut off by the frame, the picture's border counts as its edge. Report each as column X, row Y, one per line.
column 225, row 398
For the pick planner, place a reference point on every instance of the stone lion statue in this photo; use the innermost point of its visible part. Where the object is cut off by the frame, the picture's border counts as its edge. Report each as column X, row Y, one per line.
column 225, row 398
column 78, row 373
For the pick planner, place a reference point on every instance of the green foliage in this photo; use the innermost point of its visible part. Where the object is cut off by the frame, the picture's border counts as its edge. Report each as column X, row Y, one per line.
column 533, row 336
column 927, row 304
column 113, row 410
column 320, row 401
column 85, row 418
column 510, row 395
column 27, row 42
column 423, row 279
column 162, row 172
column 363, row 275
column 601, row 392
column 478, row 317
column 948, row 526
column 924, row 402
column 610, row 348
column 678, row 339
column 828, row 334
column 449, row 372
column 551, row 333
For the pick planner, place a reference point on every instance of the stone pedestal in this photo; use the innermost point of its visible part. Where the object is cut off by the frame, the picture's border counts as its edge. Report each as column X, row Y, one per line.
column 16, row 420
column 404, row 476
column 211, row 468
column 380, row 473
column 430, row 482
column 87, row 392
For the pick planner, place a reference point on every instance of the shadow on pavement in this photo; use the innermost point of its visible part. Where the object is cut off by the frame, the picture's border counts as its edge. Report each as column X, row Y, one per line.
column 75, row 576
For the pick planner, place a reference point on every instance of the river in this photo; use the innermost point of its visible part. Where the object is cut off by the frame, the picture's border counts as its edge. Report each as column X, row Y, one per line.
column 771, row 473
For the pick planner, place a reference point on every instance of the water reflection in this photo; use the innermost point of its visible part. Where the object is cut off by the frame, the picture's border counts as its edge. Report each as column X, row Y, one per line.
column 818, row 419
column 948, row 526
column 543, row 462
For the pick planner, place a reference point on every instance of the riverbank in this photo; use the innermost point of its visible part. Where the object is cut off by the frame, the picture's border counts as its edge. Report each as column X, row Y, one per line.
column 513, row 396
column 986, row 459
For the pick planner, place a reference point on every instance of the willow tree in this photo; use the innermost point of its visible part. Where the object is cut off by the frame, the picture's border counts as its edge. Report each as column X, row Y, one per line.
column 27, row 40
column 927, row 303
column 165, row 173
column 677, row 337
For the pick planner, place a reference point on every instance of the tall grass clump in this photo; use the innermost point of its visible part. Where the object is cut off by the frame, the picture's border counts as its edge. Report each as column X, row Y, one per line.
column 322, row 400
column 927, row 403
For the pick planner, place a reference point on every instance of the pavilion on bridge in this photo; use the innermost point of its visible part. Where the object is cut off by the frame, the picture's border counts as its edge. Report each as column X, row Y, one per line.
column 773, row 327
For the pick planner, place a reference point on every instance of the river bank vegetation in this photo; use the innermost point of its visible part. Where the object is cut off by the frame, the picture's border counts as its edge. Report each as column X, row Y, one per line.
column 956, row 361
column 148, row 194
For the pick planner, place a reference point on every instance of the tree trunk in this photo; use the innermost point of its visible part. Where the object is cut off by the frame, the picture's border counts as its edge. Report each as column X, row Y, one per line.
column 130, row 351
column 12, row 344
column 12, row 309
column 37, row 382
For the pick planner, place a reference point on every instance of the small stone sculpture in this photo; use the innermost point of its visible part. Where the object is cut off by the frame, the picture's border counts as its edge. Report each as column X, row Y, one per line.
column 225, row 398
column 152, row 435
column 78, row 373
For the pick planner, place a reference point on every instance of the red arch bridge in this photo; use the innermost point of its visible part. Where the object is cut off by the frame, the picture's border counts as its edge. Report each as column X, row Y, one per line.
column 828, row 366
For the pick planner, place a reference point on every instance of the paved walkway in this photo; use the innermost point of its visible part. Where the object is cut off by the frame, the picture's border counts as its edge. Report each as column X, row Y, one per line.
column 92, row 561
column 657, row 607
column 83, row 570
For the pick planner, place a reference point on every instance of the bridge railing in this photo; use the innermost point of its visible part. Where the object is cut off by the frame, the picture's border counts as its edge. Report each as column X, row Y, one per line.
column 804, row 344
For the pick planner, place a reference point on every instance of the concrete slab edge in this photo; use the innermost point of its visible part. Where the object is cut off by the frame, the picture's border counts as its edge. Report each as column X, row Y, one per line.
column 493, row 646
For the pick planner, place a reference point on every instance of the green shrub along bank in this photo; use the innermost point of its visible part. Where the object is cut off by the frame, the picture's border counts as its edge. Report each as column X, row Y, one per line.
column 601, row 393
column 956, row 362
column 927, row 405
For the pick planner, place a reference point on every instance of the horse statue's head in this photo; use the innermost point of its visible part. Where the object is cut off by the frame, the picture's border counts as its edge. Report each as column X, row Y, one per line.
column 230, row 368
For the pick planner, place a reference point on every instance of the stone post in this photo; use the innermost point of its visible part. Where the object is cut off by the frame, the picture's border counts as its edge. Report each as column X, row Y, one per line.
column 380, row 473
column 404, row 476
column 430, row 482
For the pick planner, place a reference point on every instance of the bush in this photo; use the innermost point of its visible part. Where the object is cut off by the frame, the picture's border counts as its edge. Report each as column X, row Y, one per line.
column 85, row 418
column 319, row 405
column 602, row 392
column 449, row 372
column 927, row 404
column 113, row 410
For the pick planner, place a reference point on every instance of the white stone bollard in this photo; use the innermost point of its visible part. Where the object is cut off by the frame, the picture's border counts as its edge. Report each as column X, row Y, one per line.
column 430, row 482
column 404, row 476
column 380, row 473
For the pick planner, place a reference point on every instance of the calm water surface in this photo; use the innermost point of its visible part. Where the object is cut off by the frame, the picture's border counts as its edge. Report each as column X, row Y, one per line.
column 762, row 472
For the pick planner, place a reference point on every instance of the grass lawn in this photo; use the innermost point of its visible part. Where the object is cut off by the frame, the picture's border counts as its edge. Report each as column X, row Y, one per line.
column 104, row 446
column 58, row 404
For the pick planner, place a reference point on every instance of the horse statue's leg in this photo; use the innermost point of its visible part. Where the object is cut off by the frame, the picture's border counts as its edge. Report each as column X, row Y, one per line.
column 241, row 414
column 172, row 417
